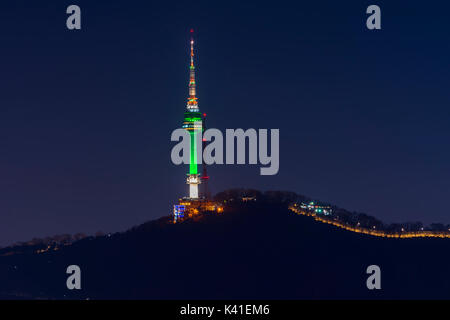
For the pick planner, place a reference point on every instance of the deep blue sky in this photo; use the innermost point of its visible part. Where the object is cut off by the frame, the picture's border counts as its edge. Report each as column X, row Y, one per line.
column 86, row 116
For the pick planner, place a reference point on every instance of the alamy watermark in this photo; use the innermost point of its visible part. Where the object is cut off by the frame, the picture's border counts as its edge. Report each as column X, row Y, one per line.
column 374, row 280
column 213, row 153
column 74, row 280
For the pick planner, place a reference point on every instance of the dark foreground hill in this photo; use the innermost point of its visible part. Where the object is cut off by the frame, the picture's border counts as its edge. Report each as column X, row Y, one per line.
column 253, row 251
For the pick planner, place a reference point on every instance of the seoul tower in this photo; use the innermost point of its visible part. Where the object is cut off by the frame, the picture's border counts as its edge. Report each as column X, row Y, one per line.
column 193, row 123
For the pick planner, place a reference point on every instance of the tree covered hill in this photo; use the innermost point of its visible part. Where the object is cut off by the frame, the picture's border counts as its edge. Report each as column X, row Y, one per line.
column 255, row 250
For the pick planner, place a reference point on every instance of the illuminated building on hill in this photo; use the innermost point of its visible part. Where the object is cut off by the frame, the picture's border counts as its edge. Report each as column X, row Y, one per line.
column 325, row 210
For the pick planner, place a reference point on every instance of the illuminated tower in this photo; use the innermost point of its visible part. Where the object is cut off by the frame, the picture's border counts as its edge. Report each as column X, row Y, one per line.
column 193, row 123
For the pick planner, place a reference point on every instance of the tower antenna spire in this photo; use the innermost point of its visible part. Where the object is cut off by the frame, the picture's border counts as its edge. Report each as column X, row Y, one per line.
column 192, row 48
column 192, row 104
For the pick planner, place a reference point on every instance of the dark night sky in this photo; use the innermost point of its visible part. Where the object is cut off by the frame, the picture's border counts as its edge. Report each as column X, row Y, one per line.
column 86, row 115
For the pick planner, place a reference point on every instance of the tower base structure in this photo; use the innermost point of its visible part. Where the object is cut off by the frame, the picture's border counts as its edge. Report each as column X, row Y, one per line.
column 193, row 191
column 193, row 181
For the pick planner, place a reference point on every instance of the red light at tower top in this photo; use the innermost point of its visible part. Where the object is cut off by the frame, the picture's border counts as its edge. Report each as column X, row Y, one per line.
column 192, row 30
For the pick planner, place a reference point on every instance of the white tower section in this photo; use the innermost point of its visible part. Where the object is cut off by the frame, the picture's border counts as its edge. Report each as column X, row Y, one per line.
column 193, row 181
column 193, row 191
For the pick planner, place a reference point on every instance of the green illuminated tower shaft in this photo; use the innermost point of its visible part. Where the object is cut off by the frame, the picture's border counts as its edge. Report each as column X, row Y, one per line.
column 193, row 123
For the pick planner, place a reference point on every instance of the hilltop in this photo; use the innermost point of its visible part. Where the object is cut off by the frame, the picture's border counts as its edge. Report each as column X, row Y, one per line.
column 255, row 250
